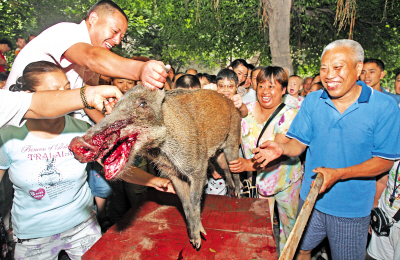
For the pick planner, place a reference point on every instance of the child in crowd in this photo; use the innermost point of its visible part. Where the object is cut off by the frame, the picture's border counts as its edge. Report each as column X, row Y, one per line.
column 188, row 81
column 31, row 37
column 104, row 80
column 244, row 88
column 213, row 79
column 316, row 79
column 315, row 87
column 175, row 78
column 53, row 206
column 292, row 98
column 123, row 84
column 21, row 42
column 227, row 84
column 250, row 95
column 204, row 78
column 239, row 66
column 254, row 74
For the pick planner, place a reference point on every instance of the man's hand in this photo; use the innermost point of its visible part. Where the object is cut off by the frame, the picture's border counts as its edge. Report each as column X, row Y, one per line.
column 97, row 96
column 216, row 175
column 153, row 74
column 240, row 165
column 211, row 86
column 267, row 152
column 163, row 184
column 331, row 176
column 237, row 101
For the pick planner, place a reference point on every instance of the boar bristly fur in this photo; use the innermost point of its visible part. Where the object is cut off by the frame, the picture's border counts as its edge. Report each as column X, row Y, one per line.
column 179, row 130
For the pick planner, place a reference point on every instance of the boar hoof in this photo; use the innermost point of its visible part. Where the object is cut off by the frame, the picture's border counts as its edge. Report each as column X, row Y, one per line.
column 196, row 238
column 196, row 242
column 202, row 230
column 237, row 193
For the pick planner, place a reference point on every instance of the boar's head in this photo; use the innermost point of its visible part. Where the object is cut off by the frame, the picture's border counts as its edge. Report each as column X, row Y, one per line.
column 135, row 126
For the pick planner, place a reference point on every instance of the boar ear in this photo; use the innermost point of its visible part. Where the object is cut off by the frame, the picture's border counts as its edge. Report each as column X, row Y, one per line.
column 160, row 95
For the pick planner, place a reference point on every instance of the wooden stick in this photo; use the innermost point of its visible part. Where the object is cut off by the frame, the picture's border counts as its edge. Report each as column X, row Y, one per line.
column 294, row 238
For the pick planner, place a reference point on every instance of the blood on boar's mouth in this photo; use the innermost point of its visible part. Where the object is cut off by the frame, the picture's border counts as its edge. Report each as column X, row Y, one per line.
column 107, row 145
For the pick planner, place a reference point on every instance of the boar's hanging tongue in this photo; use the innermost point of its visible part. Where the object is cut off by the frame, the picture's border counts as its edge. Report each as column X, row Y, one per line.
column 107, row 145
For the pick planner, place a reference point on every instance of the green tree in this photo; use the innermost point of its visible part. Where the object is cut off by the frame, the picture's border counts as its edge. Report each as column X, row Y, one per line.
column 215, row 32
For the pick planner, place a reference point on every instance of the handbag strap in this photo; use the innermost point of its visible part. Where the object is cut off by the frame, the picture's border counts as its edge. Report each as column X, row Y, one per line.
column 272, row 116
column 396, row 216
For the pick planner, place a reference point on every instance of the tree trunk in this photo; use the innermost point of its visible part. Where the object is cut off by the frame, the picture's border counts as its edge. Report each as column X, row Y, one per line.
column 278, row 12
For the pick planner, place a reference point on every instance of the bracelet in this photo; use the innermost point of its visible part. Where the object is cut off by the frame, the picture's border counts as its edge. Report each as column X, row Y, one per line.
column 83, row 97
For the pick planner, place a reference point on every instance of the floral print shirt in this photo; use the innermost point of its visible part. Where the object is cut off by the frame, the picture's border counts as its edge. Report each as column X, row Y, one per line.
column 280, row 176
column 292, row 101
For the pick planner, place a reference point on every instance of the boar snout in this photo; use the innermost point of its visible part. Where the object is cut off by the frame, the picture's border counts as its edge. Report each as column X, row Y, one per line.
column 83, row 151
column 112, row 144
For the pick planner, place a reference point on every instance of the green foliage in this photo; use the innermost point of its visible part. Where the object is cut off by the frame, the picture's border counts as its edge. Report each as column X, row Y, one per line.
column 179, row 31
column 312, row 28
column 24, row 17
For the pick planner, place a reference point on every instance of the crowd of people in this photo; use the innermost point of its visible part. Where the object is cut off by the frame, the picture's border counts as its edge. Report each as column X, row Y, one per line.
column 341, row 123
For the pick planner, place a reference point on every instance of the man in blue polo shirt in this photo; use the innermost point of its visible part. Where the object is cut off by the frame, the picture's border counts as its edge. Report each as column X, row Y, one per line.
column 352, row 131
column 372, row 73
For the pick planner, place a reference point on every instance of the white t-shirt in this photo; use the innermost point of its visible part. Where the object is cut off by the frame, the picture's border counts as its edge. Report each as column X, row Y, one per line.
column 51, row 194
column 55, row 41
column 250, row 96
column 13, row 106
column 384, row 199
column 292, row 101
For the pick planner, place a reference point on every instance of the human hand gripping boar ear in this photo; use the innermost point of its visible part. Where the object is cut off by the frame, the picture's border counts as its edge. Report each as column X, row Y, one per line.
column 180, row 130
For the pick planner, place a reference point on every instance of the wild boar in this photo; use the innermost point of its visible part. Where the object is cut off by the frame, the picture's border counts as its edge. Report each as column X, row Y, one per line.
column 179, row 130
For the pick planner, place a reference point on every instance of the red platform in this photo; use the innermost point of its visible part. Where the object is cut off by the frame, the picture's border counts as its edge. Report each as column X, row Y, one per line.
column 156, row 229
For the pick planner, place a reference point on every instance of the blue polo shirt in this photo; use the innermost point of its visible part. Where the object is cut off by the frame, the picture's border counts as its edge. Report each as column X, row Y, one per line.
column 395, row 96
column 369, row 127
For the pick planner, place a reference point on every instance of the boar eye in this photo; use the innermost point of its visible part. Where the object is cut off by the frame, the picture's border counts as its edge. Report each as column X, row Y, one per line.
column 143, row 103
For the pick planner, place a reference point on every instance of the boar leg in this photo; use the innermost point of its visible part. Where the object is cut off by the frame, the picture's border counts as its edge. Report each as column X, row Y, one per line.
column 223, row 160
column 191, row 209
column 197, row 181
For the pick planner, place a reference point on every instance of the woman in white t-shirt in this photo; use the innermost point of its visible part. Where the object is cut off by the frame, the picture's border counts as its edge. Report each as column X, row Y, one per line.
column 382, row 247
column 52, row 207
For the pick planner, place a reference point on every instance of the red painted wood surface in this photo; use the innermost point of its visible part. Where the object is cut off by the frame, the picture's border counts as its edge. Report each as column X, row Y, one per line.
column 156, row 229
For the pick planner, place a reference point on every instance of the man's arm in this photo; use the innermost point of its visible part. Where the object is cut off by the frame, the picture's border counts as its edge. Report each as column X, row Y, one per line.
column 138, row 176
column 102, row 61
column 241, row 164
column 380, row 187
column 61, row 102
column 269, row 151
column 370, row 168
column 95, row 115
